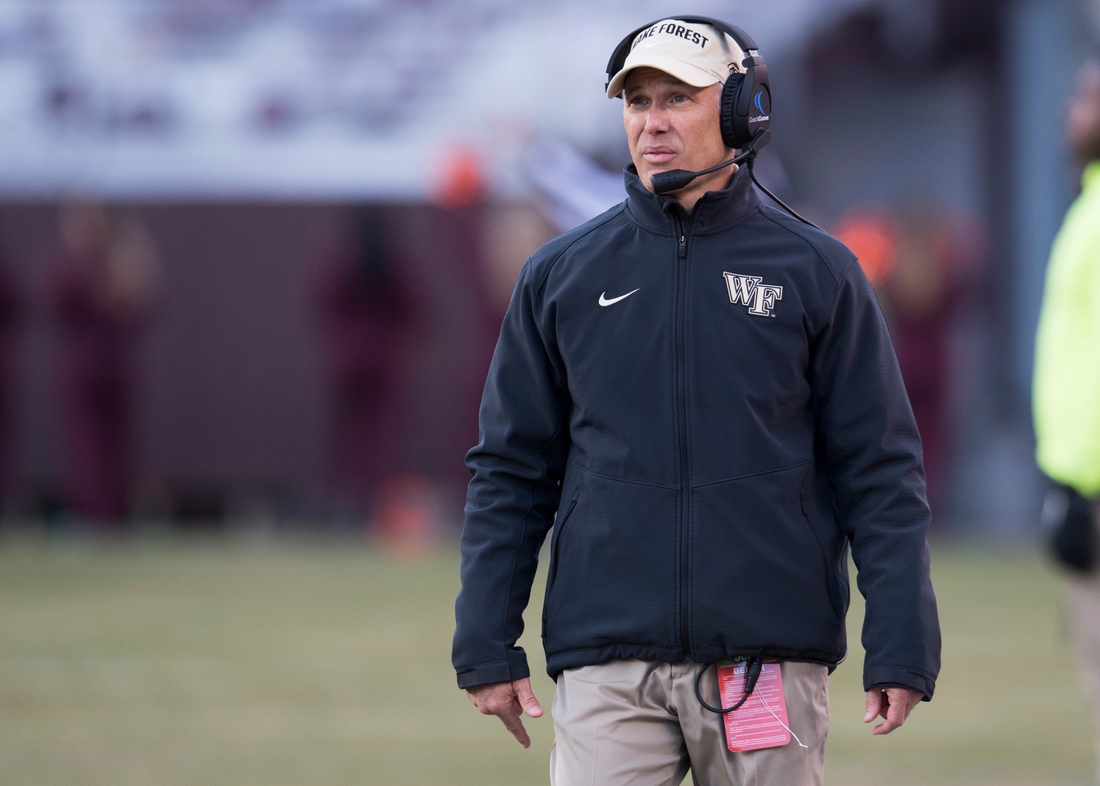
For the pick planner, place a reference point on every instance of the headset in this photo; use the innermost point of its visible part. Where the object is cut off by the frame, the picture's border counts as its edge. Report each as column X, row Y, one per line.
column 746, row 103
column 745, row 107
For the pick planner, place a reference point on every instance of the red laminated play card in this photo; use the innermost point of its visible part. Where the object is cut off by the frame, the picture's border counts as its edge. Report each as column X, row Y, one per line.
column 752, row 726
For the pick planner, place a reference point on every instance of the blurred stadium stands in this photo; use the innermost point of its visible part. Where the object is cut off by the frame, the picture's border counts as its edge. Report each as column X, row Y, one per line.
column 246, row 137
column 313, row 99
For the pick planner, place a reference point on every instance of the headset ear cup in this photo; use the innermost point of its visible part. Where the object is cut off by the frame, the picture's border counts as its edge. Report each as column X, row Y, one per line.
column 728, row 111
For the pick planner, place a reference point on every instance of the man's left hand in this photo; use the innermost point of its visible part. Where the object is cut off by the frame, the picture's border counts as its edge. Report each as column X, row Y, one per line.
column 893, row 704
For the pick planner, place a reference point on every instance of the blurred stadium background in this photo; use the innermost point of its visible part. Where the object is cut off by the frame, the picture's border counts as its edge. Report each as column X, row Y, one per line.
column 253, row 258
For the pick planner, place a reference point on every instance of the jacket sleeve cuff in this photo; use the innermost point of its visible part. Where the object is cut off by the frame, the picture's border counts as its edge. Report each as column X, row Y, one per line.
column 506, row 671
column 899, row 678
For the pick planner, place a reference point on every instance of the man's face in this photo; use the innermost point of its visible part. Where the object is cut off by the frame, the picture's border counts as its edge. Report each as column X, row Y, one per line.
column 1083, row 119
column 672, row 125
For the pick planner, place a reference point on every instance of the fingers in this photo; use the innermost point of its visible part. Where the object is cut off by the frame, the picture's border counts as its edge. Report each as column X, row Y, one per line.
column 508, row 701
column 512, row 722
column 895, row 716
column 876, row 701
column 893, row 704
column 527, row 697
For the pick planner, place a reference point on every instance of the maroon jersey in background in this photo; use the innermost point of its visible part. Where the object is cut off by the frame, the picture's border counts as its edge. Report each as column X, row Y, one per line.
column 366, row 312
column 101, row 289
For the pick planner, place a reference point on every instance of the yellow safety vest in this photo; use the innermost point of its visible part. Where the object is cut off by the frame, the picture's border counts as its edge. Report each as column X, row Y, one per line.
column 1066, row 392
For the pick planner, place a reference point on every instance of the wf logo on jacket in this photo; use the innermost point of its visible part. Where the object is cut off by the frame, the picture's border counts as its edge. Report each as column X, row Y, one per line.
column 751, row 291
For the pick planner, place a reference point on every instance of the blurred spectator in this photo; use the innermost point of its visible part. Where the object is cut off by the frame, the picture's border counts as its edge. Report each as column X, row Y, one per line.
column 513, row 231
column 367, row 313
column 10, row 313
column 102, row 288
column 920, row 302
column 924, row 264
column 1067, row 385
column 460, row 190
column 871, row 234
column 461, row 179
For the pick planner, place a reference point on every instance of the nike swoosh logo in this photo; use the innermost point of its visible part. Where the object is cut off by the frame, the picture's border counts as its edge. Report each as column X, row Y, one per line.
column 605, row 302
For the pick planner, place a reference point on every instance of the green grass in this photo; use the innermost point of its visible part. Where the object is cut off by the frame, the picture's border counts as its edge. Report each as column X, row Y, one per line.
column 213, row 664
column 1007, row 709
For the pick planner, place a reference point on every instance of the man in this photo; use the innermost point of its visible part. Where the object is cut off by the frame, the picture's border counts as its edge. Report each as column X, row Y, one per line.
column 1067, row 377
column 703, row 391
column 102, row 292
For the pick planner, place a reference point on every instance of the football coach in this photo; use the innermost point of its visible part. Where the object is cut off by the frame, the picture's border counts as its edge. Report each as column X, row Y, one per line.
column 698, row 392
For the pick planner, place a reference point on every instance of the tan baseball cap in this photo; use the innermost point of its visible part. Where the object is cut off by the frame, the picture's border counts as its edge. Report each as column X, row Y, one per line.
column 693, row 52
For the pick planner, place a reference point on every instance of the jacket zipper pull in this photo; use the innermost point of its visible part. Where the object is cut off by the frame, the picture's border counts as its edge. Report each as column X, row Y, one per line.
column 682, row 247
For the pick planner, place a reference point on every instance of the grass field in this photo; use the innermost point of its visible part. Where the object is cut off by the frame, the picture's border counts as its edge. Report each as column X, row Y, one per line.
column 222, row 663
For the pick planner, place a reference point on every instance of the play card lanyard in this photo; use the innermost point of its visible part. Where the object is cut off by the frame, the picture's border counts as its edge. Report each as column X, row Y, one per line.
column 751, row 729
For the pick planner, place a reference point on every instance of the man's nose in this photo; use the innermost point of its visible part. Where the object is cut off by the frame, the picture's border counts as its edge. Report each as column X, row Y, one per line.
column 656, row 120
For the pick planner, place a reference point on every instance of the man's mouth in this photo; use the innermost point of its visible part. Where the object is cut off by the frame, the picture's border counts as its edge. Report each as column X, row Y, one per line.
column 658, row 155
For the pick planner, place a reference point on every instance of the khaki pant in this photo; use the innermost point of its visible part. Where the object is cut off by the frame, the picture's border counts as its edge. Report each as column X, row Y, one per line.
column 639, row 722
column 1083, row 598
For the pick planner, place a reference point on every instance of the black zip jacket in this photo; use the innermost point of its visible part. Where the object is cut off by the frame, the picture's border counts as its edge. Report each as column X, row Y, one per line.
column 711, row 405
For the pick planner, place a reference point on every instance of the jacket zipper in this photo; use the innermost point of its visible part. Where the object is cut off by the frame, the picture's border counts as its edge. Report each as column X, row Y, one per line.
column 681, row 417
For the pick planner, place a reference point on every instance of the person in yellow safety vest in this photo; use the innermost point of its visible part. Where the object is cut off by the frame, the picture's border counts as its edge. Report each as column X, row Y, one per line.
column 1066, row 394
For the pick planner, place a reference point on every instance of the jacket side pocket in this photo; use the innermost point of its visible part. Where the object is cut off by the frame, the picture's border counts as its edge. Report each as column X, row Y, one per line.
column 832, row 582
column 559, row 528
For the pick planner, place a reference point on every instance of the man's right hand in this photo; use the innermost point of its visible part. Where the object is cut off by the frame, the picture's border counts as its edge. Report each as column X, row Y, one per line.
column 508, row 701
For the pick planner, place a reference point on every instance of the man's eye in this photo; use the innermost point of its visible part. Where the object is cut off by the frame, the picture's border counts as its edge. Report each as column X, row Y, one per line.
column 679, row 98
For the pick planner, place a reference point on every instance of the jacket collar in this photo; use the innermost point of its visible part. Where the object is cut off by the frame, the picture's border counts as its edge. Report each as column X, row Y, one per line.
column 715, row 210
